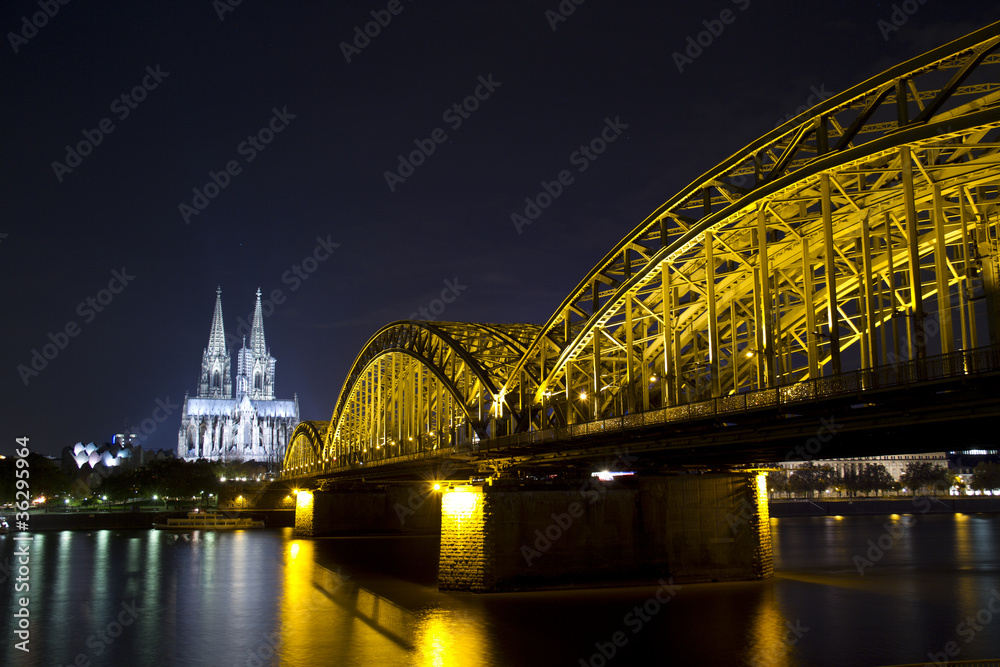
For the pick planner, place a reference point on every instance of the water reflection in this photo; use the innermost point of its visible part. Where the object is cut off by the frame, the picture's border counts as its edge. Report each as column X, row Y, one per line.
column 449, row 637
column 264, row 598
column 324, row 611
column 771, row 636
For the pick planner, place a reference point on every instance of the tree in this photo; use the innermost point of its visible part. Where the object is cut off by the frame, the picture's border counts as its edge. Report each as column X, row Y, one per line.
column 777, row 481
column 875, row 478
column 169, row 477
column 921, row 474
column 44, row 478
column 985, row 477
column 851, row 482
column 810, row 478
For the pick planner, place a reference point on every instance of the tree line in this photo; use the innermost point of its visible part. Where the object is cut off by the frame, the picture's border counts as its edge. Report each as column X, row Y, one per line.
column 165, row 478
column 874, row 478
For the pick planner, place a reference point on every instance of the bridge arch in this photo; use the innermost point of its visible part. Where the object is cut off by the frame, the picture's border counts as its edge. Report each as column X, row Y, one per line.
column 795, row 257
column 859, row 234
column 419, row 386
column 305, row 446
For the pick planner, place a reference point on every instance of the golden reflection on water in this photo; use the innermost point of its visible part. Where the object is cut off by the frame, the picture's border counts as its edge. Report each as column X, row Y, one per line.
column 448, row 637
column 324, row 612
column 771, row 634
column 962, row 541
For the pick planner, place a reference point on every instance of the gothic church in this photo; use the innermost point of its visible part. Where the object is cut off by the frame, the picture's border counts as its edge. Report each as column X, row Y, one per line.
column 253, row 424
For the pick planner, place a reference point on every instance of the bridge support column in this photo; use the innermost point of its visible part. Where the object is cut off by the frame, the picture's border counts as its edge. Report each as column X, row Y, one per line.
column 691, row 528
column 367, row 508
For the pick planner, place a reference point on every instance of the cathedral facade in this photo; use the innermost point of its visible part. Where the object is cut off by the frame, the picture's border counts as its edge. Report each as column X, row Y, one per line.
column 248, row 424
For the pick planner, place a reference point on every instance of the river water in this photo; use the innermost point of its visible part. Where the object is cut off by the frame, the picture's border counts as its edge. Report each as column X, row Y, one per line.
column 850, row 591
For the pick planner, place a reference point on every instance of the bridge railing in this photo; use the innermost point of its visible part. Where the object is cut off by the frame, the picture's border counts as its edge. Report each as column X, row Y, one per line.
column 902, row 374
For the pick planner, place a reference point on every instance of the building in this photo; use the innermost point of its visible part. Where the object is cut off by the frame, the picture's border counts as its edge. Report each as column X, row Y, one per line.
column 89, row 465
column 895, row 465
column 250, row 424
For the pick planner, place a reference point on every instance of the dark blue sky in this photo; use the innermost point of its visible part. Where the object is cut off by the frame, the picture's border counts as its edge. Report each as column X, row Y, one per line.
column 267, row 92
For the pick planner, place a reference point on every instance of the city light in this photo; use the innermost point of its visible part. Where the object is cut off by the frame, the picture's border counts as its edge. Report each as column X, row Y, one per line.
column 609, row 476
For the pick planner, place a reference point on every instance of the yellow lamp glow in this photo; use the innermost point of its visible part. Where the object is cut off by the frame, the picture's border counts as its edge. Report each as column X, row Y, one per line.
column 460, row 503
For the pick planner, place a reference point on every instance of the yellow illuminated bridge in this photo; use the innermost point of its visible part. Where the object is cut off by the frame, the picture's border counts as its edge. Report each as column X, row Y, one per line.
column 851, row 250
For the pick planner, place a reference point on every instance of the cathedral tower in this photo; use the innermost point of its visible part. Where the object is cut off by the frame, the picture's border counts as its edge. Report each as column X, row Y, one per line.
column 253, row 424
column 254, row 364
column 216, row 375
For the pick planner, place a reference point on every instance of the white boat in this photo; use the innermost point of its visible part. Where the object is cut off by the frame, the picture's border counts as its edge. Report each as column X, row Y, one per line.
column 209, row 521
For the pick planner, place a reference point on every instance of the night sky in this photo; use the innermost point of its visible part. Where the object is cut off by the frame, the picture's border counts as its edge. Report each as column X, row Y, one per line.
column 101, row 261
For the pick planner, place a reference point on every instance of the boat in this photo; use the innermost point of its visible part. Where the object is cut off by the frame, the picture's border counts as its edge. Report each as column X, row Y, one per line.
column 209, row 521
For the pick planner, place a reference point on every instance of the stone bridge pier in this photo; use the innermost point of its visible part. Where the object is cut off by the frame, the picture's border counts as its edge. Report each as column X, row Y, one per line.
column 680, row 528
column 511, row 535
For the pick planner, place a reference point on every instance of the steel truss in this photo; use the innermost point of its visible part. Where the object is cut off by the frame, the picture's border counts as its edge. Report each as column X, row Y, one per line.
column 859, row 234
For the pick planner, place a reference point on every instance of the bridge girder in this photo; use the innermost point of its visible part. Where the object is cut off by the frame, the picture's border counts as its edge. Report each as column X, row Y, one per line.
column 416, row 387
column 825, row 246
column 838, row 192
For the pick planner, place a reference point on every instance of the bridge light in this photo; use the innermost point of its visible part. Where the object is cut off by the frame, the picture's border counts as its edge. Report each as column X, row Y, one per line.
column 583, row 395
column 437, row 487
column 652, row 379
column 750, row 354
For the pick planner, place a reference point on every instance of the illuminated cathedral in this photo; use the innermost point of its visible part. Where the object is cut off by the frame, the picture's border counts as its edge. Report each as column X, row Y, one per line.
column 249, row 425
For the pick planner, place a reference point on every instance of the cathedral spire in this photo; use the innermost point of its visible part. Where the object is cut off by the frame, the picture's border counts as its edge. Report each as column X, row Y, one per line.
column 257, row 332
column 254, row 366
column 216, row 379
column 217, row 338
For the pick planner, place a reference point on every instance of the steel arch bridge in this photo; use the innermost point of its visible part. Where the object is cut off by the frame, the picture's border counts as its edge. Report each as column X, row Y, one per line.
column 857, row 236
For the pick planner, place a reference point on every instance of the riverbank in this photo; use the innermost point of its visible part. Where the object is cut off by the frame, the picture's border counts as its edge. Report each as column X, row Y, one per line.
column 868, row 506
column 98, row 520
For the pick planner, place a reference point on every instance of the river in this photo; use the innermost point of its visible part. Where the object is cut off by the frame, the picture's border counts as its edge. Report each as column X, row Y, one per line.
column 850, row 591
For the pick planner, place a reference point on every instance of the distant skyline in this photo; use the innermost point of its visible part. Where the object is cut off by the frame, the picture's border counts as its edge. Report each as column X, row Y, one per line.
column 360, row 163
